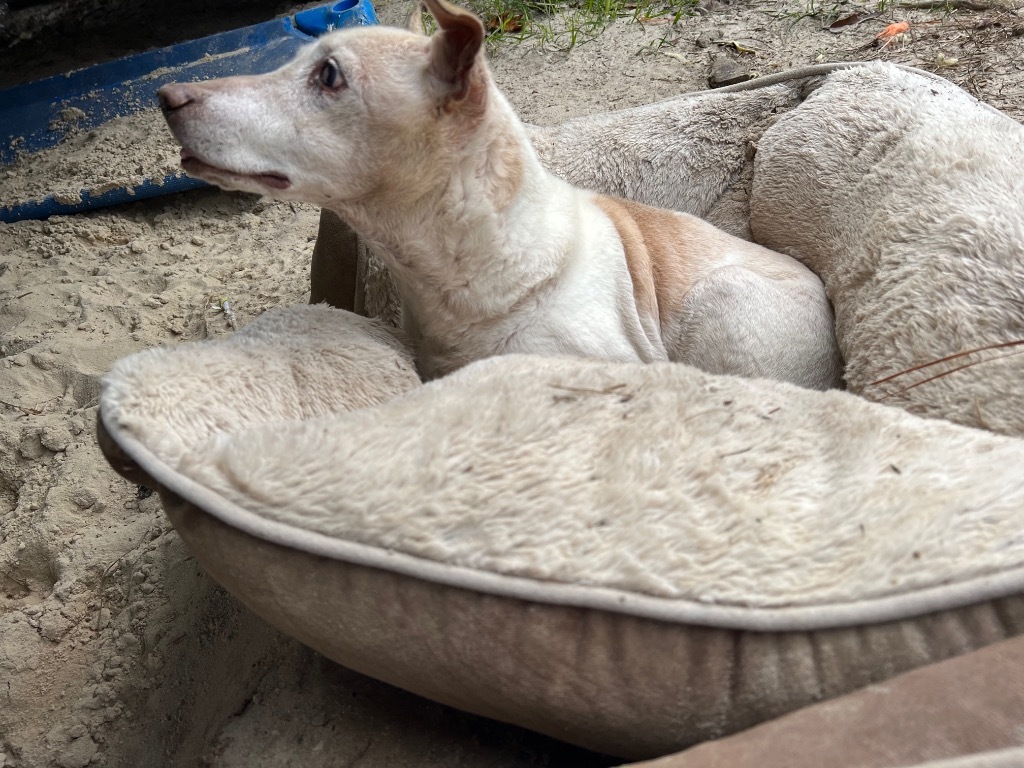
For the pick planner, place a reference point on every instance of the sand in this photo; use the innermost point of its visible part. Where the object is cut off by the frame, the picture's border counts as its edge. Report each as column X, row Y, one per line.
column 115, row 648
column 123, row 152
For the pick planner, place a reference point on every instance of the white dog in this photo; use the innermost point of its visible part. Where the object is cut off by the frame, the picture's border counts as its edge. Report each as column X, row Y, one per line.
column 407, row 138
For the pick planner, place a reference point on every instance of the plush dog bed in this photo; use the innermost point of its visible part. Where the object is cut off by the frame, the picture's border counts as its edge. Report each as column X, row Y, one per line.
column 640, row 558
column 964, row 712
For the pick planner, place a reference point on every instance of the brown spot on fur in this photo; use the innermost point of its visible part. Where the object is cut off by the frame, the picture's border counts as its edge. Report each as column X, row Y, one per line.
column 669, row 252
column 504, row 169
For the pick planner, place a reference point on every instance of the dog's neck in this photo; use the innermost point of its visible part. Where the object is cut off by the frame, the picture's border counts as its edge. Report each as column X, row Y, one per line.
column 471, row 243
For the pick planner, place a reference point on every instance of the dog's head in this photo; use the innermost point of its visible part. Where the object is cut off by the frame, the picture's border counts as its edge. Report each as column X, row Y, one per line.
column 371, row 111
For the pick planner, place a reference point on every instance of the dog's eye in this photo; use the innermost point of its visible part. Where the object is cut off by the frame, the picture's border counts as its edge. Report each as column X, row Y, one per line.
column 330, row 76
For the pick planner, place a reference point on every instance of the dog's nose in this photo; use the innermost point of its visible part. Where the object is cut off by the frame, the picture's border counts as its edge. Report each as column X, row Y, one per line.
column 175, row 96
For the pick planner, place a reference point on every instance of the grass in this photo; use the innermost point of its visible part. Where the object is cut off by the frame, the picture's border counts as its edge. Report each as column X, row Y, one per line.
column 564, row 24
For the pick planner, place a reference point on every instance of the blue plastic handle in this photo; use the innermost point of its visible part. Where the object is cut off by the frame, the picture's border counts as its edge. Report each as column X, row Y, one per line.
column 347, row 13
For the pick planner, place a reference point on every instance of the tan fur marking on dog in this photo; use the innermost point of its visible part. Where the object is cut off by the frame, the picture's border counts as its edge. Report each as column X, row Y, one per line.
column 673, row 251
column 504, row 170
column 638, row 258
column 663, row 251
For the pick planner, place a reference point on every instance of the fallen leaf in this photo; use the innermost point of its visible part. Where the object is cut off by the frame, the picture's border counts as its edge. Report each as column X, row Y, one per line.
column 899, row 28
column 736, row 46
column 505, row 22
column 849, row 20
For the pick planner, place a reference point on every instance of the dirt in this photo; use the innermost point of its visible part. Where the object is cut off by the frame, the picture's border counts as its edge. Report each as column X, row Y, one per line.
column 115, row 648
column 123, row 152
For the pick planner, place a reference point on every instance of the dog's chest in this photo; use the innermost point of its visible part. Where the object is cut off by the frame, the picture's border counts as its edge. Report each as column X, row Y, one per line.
column 440, row 351
column 572, row 320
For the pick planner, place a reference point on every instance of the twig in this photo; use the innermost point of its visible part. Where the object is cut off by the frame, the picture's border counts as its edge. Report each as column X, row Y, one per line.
column 953, row 370
column 589, row 391
column 1001, row 345
column 736, row 453
column 952, row 5
column 37, row 410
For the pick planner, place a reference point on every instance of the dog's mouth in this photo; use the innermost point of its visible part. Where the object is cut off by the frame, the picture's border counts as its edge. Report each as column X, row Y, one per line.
column 195, row 167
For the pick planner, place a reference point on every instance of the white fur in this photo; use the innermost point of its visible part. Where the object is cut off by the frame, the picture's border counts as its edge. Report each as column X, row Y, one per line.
column 492, row 254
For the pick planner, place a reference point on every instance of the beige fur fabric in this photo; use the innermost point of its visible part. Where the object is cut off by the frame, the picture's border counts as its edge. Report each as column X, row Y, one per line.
column 645, row 530
column 657, row 480
column 906, row 196
column 293, row 364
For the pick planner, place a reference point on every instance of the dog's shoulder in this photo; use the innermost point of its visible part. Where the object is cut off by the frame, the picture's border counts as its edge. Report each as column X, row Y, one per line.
column 661, row 249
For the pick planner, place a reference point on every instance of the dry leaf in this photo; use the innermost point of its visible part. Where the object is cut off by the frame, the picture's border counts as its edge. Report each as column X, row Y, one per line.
column 849, row 20
column 736, row 46
column 505, row 22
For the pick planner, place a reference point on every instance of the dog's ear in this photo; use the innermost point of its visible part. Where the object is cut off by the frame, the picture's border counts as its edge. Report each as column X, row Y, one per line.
column 454, row 47
column 414, row 22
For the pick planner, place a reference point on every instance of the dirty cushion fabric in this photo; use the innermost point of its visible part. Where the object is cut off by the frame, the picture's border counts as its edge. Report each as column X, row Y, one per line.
column 633, row 558
column 651, row 482
column 963, row 713
column 906, row 196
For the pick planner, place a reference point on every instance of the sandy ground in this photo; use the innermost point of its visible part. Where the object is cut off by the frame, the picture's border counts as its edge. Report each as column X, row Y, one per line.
column 115, row 649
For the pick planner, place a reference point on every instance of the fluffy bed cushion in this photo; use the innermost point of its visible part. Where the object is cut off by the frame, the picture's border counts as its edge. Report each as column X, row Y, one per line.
column 907, row 197
column 633, row 558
